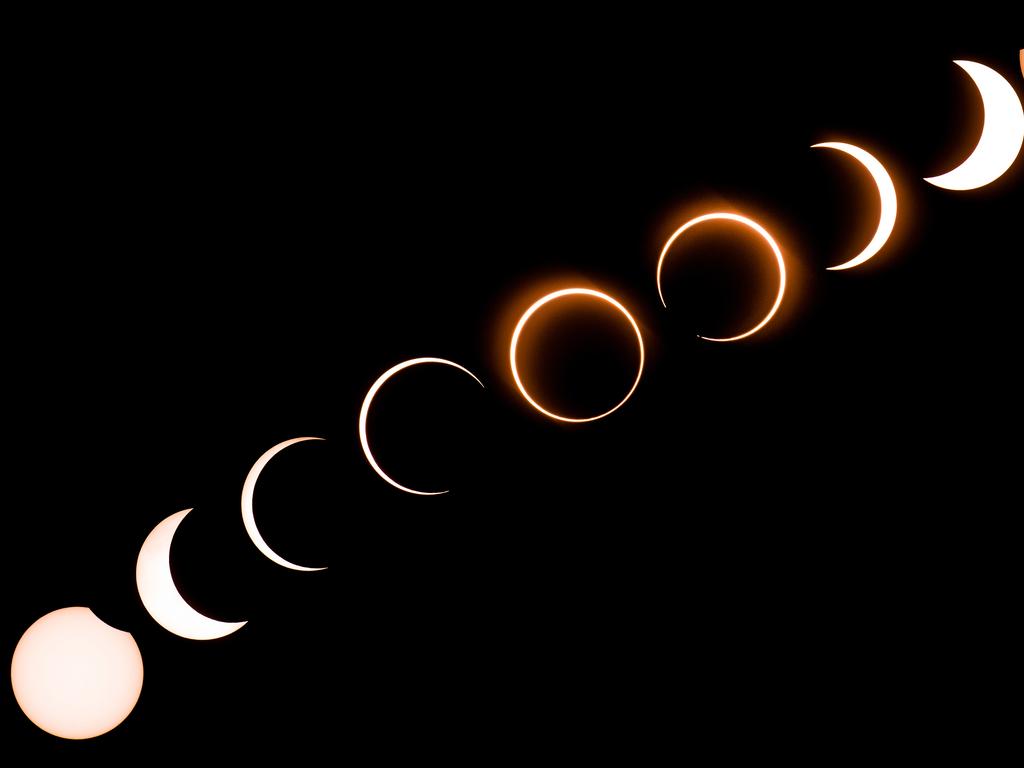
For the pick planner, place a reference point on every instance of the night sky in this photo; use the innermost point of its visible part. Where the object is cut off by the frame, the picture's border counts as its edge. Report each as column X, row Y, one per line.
column 797, row 544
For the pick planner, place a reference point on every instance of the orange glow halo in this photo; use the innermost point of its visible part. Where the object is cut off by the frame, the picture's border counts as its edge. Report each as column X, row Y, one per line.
column 759, row 230
column 558, row 295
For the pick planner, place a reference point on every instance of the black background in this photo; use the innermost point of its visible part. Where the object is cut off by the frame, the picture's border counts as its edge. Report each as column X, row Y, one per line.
column 795, row 544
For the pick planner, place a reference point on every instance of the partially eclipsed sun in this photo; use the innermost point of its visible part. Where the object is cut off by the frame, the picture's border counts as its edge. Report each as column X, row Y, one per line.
column 364, row 413
column 759, row 230
column 886, row 194
column 75, row 676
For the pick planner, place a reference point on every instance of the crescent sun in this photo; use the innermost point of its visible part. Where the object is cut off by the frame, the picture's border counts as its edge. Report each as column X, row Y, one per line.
column 886, row 193
column 364, row 412
column 759, row 230
column 161, row 597
column 249, row 519
column 1001, row 135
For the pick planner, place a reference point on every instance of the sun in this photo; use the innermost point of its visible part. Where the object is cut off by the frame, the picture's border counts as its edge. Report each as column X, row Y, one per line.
column 75, row 676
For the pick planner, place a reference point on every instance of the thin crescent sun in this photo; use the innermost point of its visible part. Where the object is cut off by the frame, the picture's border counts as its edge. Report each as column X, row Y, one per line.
column 1002, row 134
column 159, row 594
column 249, row 518
column 759, row 230
column 364, row 413
column 886, row 194
column 558, row 295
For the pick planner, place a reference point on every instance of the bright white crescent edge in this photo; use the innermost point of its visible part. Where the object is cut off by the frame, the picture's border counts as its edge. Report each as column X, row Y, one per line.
column 1001, row 135
column 886, row 194
column 249, row 519
column 364, row 412
column 161, row 597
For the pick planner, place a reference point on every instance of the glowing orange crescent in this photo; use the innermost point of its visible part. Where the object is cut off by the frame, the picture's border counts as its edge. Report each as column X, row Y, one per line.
column 365, row 412
column 558, row 295
column 886, row 194
column 767, row 238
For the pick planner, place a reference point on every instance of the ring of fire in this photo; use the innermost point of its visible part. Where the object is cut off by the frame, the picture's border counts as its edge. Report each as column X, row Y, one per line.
column 767, row 238
column 552, row 297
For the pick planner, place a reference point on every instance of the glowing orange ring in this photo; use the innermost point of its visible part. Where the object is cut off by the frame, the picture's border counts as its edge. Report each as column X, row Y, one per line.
column 765, row 236
column 558, row 295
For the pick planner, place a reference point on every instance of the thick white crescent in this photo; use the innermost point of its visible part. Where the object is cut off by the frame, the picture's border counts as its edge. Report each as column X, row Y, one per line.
column 249, row 519
column 1001, row 136
column 767, row 238
column 161, row 597
column 364, row 412
column 886, row 193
